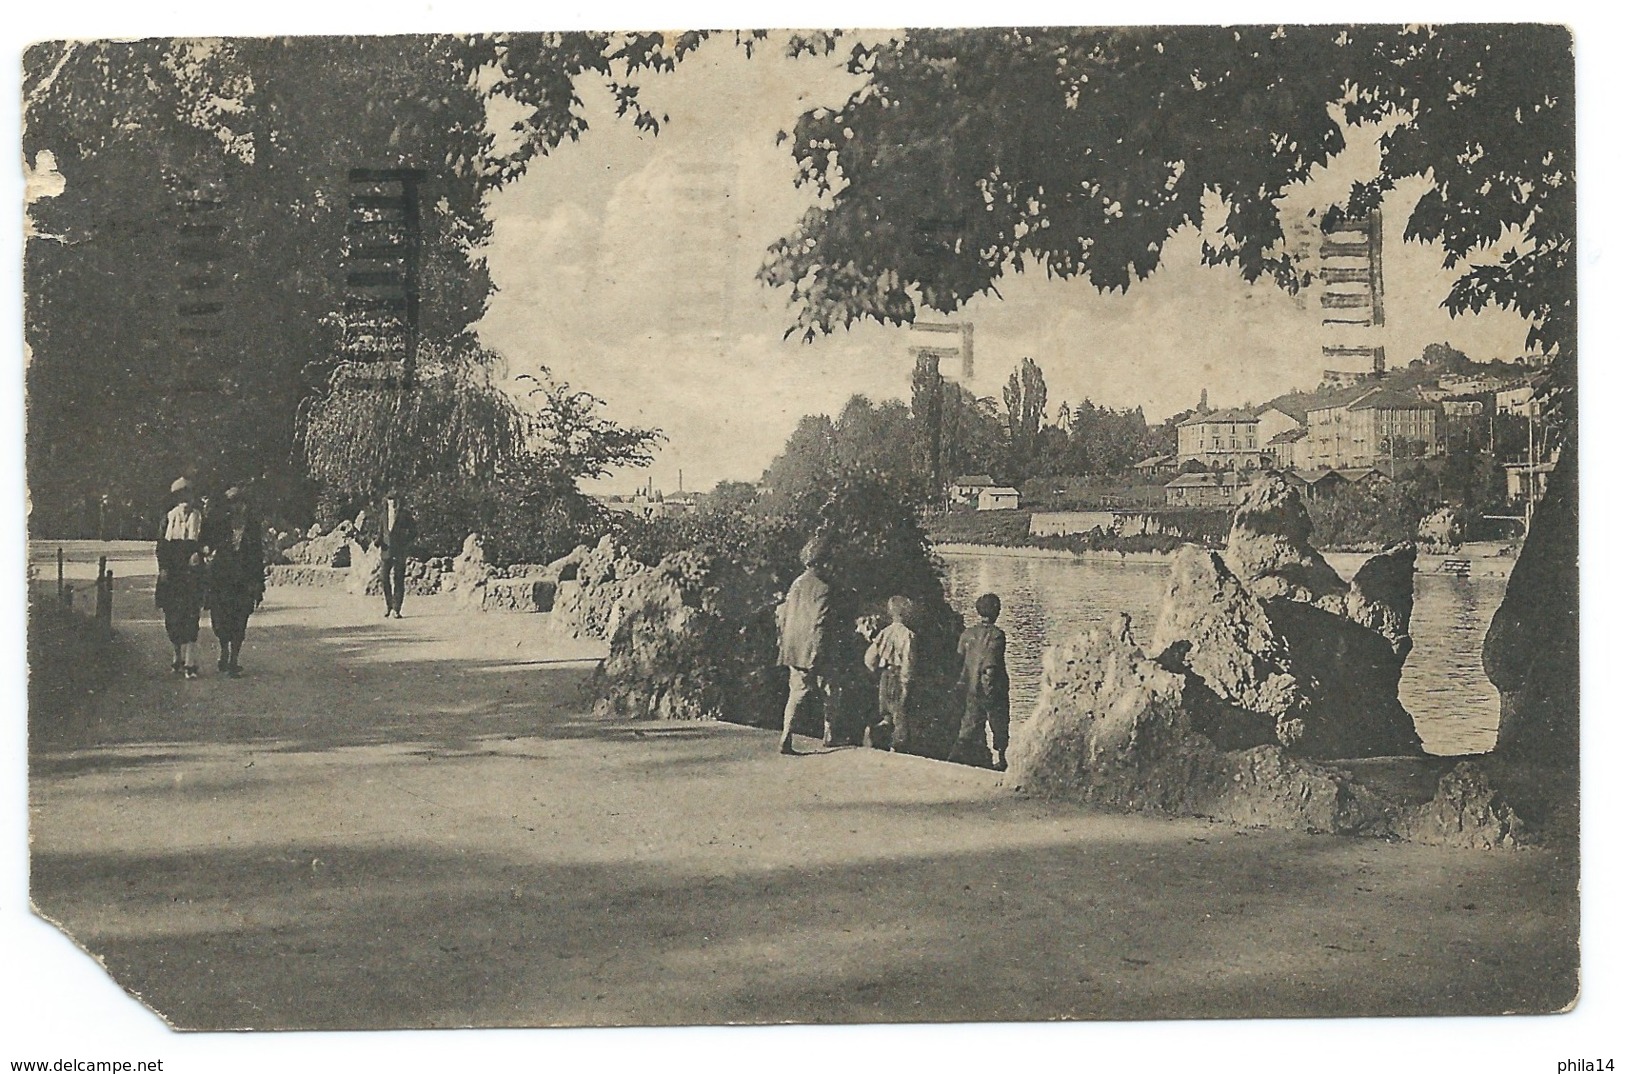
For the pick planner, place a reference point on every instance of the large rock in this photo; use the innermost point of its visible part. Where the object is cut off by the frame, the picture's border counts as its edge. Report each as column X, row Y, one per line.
column 1326, row 684
column 586, row 607
column 469, row 574
column 325, row 550
column 1115, row 728
column 1532, row 649
column 1211, row 626
column 1382, row 594
column 1269, row 547
column 1110, row 725
column 1469, row 809
column 517, row 595
column 366, row 570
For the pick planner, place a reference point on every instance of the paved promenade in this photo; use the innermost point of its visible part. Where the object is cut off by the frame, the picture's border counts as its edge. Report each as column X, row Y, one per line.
column 418, row 823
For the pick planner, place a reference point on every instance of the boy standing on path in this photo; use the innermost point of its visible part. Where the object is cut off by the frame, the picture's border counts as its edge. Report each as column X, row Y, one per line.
column 892, row 654
column 987, row 686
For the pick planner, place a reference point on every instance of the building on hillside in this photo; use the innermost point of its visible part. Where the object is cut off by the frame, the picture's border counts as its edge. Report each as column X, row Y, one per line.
column 1284, row 448
column 1362, row 477
column 1519, row 402
column 1222, row 489
column 1314, row 484
column 1275, row 419
column 998, row 498
column 965, row 489
column 1470, row 384
column 1336, row 379
column 1223, row 439
column 1368, row 425
column 1157, row 464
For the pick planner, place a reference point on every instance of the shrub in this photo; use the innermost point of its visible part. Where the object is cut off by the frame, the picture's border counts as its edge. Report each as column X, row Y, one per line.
column 525, row 517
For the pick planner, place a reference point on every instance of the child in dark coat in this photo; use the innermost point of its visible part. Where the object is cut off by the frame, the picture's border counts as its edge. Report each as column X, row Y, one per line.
column 986, row 684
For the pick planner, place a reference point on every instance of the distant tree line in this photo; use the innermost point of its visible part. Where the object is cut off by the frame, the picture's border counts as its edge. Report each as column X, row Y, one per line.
column 945, row 431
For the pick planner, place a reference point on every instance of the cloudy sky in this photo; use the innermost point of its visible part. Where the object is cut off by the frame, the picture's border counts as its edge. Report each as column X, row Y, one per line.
column 625, row 263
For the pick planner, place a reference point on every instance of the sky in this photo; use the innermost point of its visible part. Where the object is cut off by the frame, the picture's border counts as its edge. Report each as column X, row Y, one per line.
column 625, row 263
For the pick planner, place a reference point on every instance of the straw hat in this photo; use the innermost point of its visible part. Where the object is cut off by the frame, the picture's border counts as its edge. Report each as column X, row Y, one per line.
column 180, row 485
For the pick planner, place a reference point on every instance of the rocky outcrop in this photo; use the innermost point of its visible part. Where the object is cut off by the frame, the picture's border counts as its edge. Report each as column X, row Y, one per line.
column 1110, row 725
column 1382, row 593
column 1324, row 684
column 585, row 607
column 517, row 595
column 1115, row 728
column 324, row 549
column 1281, row 641
column 662, row 655
column 1269, row 548
column 468, row 575
column 1469, row 809
column 303, row 574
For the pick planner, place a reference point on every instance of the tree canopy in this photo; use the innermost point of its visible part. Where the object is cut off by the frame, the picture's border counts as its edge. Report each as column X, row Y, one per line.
column 185, row 290
column 966, row 154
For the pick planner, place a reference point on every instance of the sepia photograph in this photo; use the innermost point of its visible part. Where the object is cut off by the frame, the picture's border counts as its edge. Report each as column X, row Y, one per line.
column 1004, row 535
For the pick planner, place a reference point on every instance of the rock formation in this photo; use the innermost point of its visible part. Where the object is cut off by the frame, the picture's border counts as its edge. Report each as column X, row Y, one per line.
column 1115, row 728
column 1280, row 639
column 1272, row 700
column 1269, row 550
column 584, row 605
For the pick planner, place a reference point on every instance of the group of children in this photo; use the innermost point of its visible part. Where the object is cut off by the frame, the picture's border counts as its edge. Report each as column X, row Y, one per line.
column 982, row 677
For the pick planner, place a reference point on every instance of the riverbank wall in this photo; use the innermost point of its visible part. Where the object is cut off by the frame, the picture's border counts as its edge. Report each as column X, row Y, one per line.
column 1478, row 560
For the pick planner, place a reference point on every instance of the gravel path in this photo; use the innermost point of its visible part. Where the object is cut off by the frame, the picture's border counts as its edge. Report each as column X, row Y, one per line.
column 417, row 823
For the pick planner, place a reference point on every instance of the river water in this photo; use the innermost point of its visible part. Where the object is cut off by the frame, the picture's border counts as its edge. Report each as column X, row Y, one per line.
column 1443, row 686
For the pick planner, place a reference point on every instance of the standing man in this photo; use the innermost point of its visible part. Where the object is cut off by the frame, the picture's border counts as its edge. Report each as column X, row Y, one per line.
column 805, row 644
column 397, row 529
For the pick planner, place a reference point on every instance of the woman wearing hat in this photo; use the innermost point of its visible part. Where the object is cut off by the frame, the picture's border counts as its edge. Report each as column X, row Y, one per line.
column 179, row 592
column 232, row 549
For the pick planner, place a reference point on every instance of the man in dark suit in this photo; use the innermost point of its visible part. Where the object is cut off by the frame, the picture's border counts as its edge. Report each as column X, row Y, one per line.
column 397, row 529
column 805, row 638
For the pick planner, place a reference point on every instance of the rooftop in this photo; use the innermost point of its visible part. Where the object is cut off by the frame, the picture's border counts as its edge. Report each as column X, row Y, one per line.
column 1231, row 414
column 1218, row 480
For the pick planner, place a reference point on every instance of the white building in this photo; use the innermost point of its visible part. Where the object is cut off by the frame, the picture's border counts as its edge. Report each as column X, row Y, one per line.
column 998, row 498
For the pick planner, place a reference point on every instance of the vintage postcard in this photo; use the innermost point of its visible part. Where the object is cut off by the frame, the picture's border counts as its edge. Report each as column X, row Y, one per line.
column 707, row 528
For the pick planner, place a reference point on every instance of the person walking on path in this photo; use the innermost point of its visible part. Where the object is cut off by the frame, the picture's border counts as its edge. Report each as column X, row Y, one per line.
column 805, row 642
column 179, row 589
column 986, row 683
column 232, row 548
column 397, row 529
column 892, row 655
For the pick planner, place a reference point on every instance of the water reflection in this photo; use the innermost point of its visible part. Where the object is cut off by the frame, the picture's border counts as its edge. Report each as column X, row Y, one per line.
column 1444, row 687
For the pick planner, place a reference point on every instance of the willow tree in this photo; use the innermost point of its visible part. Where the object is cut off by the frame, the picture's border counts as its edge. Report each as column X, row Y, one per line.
column 968, row 154
column 185, row 288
